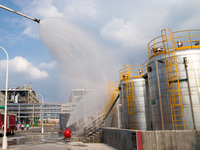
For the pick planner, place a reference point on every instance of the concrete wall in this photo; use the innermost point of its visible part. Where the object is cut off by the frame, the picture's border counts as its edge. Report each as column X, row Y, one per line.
column 171, row 140
column 122, row 139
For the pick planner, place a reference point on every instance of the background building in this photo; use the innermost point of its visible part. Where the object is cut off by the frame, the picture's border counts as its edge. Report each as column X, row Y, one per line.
column 24, row 102
column 29, row 113
column 21, row 95
column 77, row 94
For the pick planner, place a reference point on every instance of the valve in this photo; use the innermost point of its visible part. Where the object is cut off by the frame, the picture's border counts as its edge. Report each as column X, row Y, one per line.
column 180, row 44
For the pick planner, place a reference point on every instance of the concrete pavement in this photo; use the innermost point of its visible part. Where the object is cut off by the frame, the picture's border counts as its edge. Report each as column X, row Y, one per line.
column 62, row 146
column 33, row 139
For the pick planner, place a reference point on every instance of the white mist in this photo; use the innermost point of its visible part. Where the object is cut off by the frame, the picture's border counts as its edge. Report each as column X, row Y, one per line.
column 83, row 62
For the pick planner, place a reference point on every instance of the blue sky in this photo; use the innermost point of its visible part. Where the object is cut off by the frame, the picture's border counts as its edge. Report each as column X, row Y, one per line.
column 120, row 29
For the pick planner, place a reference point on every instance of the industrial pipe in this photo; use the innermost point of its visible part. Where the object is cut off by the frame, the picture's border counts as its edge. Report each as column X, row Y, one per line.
column 190, row 95
column 111, row 107
column 119, row 116
column 159, row 92
column 13, row 11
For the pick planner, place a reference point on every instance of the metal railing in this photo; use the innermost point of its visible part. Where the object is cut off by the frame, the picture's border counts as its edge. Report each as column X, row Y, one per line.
column 183, row 39
column 155, row 47
column 138, row 71
column 188, row 38
column 90, row 126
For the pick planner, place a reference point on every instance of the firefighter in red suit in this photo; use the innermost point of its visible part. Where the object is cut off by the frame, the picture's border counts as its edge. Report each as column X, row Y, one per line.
column 67, row 133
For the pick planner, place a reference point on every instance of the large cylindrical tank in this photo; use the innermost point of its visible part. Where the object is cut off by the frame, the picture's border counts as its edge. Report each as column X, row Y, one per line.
column 154, row 102
column 193, row 61
column 140, row 96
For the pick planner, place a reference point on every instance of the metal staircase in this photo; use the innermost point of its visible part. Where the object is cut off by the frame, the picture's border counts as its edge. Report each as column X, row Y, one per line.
column 173, row 80
column 130, row 97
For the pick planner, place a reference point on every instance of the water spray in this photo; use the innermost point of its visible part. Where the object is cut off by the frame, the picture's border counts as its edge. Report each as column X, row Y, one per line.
column 13, row 11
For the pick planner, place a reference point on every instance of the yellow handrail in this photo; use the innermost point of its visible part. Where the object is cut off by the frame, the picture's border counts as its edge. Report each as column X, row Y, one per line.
column 190, row 39
column 138, row 71
column 155, row 47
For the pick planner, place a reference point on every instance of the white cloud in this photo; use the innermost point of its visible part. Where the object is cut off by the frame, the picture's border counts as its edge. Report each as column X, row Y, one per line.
column 38, row 9
column 145, row 16
column 35, row 73
column 48, row 65
column 29, row 31
column 80, row 8
column 44, row 8
column 120, row 32
column 20, row 66
column 52, row 8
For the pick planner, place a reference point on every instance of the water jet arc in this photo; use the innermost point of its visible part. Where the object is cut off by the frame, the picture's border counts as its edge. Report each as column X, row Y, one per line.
column 13, row 11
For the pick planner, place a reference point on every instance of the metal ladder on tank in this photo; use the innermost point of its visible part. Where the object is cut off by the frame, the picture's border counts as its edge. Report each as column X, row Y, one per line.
column 130, row 97
column 173, row 81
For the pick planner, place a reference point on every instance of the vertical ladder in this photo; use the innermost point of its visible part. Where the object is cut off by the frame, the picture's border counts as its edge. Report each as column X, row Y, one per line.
column 173, row 81
column 130, row 97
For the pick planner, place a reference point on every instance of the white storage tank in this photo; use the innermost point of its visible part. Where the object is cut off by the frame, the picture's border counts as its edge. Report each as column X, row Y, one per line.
column 177, row 55
column 141, row 103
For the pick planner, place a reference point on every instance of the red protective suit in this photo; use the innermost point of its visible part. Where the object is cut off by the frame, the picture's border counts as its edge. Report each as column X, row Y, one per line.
column 67, row 133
